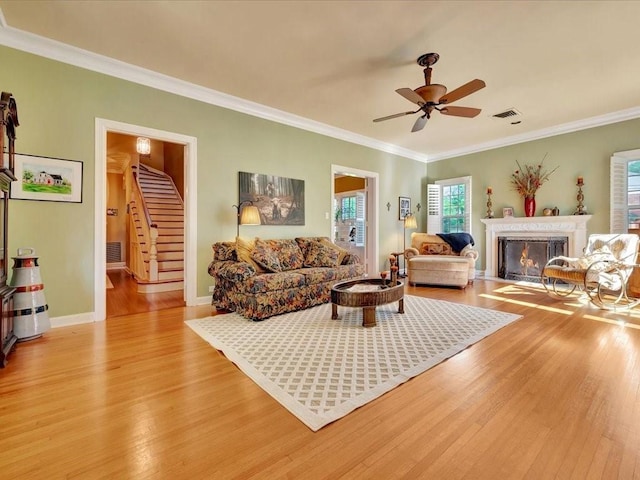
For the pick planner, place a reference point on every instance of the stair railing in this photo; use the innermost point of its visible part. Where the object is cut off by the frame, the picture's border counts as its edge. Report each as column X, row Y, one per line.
column 144, row 250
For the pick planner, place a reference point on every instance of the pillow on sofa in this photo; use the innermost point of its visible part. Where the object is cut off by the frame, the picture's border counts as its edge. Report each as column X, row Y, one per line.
column 320, row 255
column 305, row 242
column 244, row 247
column 342, row 253
column 428, row 248
column 265, row 257
column 288, row 253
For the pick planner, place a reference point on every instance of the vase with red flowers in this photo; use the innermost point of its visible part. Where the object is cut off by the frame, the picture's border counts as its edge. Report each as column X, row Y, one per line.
column 526, row 180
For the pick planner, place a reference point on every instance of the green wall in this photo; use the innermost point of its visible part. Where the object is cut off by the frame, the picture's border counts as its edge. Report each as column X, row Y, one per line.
column 57, row 106
column 586, row 153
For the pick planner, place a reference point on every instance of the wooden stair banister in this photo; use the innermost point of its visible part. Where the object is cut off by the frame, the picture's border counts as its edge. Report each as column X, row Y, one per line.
column 151, row 233
column 140, row 237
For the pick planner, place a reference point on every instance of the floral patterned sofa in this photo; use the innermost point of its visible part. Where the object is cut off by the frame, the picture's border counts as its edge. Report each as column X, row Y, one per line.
column 261, row 278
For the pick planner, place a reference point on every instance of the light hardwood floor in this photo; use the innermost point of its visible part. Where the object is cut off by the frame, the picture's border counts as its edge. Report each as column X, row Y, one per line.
column 124, row 299
column 553, row 395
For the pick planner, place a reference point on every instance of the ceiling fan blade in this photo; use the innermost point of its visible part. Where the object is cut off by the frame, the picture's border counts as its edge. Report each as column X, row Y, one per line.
column 420, row 123
column 411, row 96
column 463, row 91
column 460, row 111
column 395, row 115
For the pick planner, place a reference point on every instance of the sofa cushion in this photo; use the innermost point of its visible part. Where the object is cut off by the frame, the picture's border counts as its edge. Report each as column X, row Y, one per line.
column 264, row 256
column 320, row 255
column 315, row 275
column 288, row 252
column 428, row 248
column 244, row 247
column 342, row 253
column 305, row 242
column 268, row 282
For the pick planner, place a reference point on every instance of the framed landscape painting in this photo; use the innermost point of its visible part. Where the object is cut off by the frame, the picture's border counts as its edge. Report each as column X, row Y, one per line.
column 280, row 200
column 48, row 179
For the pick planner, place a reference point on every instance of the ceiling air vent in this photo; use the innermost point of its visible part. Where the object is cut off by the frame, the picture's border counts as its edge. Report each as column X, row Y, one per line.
column 510, row 115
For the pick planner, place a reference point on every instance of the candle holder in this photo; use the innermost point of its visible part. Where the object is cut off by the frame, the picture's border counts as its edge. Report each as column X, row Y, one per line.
column 489, row 207
column 580, row 210
column 393, row 268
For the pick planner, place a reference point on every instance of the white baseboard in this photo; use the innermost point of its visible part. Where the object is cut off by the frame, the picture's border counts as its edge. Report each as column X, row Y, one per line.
column 89, row 317
column 203, row 300
column 76, row 319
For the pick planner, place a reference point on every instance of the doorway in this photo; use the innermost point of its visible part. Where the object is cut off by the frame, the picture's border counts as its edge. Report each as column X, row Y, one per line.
column 144, row 188
column 189, row 146
column 363, row 220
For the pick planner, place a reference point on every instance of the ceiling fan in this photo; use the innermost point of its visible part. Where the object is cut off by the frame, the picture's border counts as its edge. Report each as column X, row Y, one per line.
column 432, row 96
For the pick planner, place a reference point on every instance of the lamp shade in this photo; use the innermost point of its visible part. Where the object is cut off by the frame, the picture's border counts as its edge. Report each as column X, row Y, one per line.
column 250, row 215
column 410, row 222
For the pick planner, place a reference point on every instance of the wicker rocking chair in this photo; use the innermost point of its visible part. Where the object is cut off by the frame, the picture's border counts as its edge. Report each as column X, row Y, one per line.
column 602, row 272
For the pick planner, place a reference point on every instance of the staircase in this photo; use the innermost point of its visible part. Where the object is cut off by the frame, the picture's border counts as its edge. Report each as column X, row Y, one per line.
column 159, row 210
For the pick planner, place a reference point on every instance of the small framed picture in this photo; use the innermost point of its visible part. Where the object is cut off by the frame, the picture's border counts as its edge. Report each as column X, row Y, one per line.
column 507, row 212
column 49, row 179
column 404, row 207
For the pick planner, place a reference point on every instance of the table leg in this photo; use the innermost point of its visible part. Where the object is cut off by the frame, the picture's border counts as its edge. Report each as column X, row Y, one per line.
column 368, row 316
column 401, row 305
column 334, row 311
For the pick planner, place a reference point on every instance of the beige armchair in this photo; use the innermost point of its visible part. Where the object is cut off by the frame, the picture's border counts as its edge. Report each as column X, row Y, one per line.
column 602, row 272
column 432, row 261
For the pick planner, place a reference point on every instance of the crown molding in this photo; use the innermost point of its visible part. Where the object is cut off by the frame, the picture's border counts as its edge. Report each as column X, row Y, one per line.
column 52, row 49
column 591, row 122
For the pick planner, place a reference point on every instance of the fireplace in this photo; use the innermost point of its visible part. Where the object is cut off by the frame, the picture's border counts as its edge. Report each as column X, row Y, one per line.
column 573, row 227
column 523, row 258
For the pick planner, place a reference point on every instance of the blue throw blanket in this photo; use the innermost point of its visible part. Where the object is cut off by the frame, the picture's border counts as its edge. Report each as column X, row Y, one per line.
column 457, row 241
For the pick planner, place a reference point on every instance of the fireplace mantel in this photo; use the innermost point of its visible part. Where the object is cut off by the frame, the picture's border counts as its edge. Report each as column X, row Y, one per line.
column 572, row 226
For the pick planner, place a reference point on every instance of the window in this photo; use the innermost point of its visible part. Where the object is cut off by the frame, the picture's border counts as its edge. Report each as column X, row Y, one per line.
column 625, row 191
column 449, row 206
column 633, row 194
column 453, row 208
column 348, row 208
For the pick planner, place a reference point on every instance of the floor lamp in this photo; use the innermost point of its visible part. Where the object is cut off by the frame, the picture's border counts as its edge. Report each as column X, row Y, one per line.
column 410, row 223
column 248, row 214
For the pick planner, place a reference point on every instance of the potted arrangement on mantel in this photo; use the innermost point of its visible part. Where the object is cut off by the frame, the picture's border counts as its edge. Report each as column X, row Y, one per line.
column 527, row 180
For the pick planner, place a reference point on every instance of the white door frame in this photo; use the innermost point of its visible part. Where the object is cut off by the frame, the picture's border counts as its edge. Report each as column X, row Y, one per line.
column 102, row 126
column 373, row 228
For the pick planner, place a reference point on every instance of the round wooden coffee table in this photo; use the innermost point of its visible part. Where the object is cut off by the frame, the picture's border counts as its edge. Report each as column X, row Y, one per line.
column 366, row 294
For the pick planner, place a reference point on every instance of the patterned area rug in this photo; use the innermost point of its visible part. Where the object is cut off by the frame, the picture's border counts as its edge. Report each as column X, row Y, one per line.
column 322, row 369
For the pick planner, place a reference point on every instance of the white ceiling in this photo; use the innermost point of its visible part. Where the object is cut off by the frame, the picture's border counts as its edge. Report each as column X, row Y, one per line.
column 564, row 65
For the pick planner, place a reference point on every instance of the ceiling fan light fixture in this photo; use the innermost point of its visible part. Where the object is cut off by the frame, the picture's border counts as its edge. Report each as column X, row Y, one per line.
column 431, row 93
